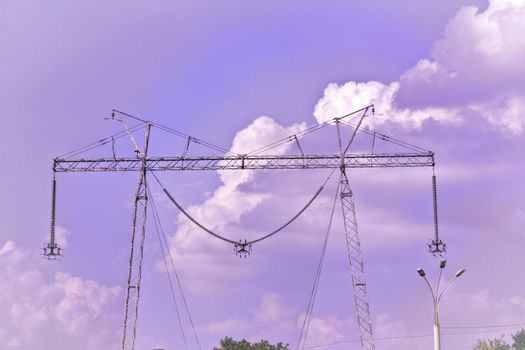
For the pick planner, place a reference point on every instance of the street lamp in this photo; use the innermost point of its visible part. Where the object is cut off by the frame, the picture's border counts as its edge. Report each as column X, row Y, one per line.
column 436, row 298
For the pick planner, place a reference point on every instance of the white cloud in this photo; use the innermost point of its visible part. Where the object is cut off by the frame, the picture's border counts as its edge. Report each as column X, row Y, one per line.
column 339, row 100
column 39, row 310
column 271, row 310
column 474, row 69
column 340, row 331
column 8, row 247
column 325, row 331
column 482, row 304
column 62, row 235
column 270, row 318
column 518, row 301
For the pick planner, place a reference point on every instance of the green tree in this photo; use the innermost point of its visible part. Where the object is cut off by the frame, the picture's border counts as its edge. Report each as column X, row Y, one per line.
column 491, row 344
column 519, row 340
column 229, row 344
column 499, row 344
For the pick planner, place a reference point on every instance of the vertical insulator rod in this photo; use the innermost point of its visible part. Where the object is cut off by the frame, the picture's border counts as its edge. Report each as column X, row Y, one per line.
column 52, row 250
column 434, row 196
column 53, row 210
column 437, row 247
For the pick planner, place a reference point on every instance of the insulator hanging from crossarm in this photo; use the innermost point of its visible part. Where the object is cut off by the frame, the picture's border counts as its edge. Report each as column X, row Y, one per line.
column 436, row 247
column 187, row 147
column 53, row 208
column 52, row 250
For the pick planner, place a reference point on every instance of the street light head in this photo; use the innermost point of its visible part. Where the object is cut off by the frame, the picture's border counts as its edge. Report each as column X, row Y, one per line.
column 442, row 264
column 460, row 272
column 421, row 272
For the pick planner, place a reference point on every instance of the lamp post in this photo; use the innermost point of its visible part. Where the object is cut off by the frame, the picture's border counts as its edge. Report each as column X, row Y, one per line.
column 437, row 293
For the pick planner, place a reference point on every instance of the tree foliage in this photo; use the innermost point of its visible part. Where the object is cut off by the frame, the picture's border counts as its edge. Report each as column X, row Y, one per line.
column 519, row 340
column 500, row 344
column 491, row 344
column 229, row 344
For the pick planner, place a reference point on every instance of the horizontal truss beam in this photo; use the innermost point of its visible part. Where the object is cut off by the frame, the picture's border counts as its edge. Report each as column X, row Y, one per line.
column 385, row 160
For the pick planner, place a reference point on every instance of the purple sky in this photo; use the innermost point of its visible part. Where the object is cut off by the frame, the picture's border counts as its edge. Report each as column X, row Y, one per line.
column 447, row 76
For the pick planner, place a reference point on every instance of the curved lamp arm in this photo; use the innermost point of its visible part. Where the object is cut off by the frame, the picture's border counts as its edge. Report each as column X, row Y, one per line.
column 421, row 273
column 459, row 273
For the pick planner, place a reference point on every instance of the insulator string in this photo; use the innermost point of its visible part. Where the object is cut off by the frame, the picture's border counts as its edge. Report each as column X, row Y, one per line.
column 53, row 209
column 434, row 196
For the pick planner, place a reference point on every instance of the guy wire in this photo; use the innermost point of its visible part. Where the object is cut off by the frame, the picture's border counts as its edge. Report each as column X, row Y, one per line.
column 174, row 269
column 157, row 223
column 313, row 294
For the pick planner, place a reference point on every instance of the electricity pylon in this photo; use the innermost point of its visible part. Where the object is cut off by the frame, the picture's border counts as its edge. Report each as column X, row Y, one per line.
column 143, row 163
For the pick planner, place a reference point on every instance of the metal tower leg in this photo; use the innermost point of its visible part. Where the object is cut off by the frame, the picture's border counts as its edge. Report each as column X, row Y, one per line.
column 137, row 253
column 357, row 270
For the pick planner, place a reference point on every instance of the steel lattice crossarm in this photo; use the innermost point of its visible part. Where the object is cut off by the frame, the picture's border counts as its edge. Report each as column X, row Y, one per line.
column 385, row 160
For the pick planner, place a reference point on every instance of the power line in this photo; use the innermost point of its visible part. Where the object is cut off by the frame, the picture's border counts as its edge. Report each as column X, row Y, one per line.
column 482, row 331
column 376, row 339
column 290, row 138
column 497, row 328
column 488, row 326
column 175, row 132
column 242, row 247
column 102, row 142
column 386, row 138
column 306, row 132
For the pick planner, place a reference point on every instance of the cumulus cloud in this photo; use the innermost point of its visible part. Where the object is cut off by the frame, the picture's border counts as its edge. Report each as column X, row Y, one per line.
column 340, row 331
column 325, row 330
column 271, row 309
column 474, row 69
column 269, row 318
column 42, row 311
column 62, row 235
column 483, row 304
column 7, row 248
